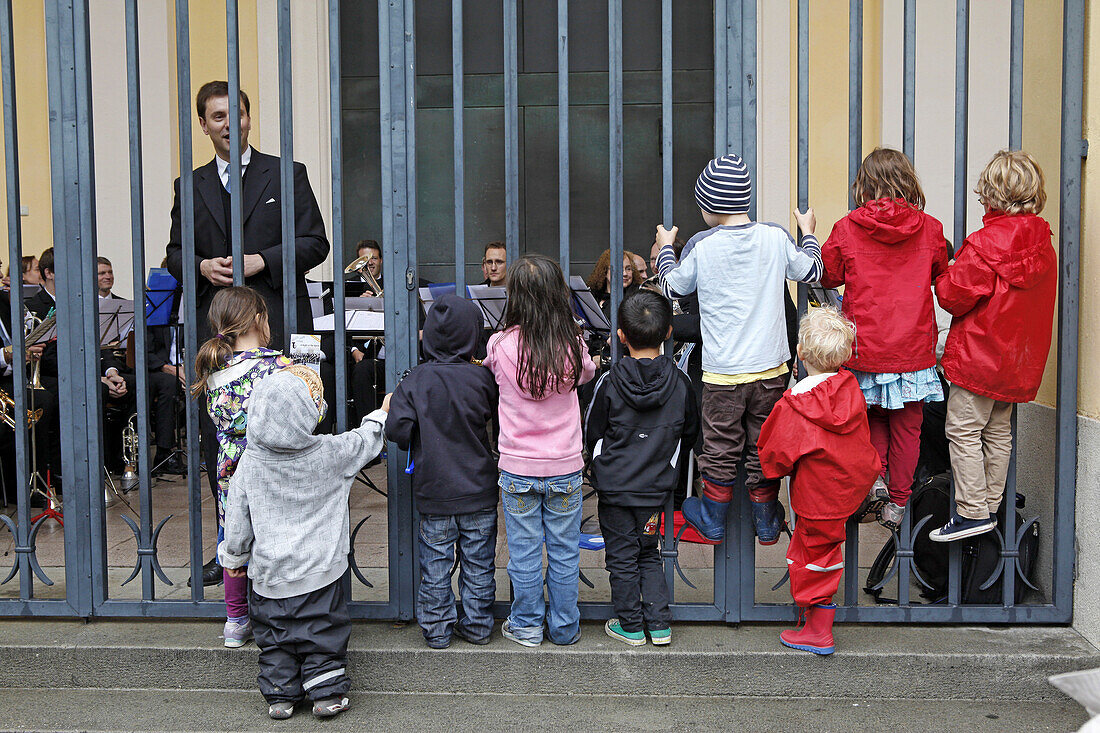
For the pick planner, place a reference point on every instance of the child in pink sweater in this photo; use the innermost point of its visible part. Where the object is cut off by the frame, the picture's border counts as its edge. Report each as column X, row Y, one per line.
column 538, row 361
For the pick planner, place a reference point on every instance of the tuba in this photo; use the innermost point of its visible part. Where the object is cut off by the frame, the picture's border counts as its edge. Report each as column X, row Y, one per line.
column 359, row 267
column 7, row 412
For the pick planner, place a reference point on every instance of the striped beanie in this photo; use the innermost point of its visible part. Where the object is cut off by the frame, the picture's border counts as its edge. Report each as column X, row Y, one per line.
column 724, row 186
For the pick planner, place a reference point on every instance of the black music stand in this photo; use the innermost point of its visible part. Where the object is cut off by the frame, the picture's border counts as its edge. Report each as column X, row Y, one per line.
column 116, row 321
column 492, row 300
column 586, row 308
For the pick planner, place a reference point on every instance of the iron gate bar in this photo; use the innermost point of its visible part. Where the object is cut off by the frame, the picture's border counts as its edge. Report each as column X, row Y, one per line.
column 1073, row 150
column 749, row 80
column 615, row 158
column 286, row 181
column 337, row 165
column 666, row 114
column 233, row 54
column 909, row 81
column 144, row 538
column 190, row 287
column 458, row 110
column 511, row 131
column 563, row 134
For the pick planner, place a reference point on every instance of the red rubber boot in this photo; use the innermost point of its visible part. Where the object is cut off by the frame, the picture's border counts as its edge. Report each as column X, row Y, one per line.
column 817, row 635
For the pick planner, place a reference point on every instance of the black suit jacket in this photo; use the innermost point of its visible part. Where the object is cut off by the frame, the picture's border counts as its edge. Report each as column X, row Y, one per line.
column 262, row 235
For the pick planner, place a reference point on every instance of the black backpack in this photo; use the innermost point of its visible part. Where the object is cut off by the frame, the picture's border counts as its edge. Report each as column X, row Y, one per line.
column 930, row 507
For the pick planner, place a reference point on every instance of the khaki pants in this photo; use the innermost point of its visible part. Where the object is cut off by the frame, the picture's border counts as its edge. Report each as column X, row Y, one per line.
column 980, row 431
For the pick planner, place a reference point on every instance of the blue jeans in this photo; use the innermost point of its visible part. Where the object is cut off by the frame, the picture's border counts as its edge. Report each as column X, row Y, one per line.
column 538, row 509
column 475, row 535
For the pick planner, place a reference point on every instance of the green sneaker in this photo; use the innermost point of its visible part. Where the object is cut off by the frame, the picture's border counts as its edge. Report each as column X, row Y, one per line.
column 660, row 637
column 615, row 631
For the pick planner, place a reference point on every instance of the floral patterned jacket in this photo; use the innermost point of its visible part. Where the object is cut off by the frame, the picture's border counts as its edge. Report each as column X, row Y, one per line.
column 227, row 394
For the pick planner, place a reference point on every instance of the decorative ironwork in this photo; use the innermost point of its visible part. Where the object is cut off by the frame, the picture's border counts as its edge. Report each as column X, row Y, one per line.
column 28, row 549
column 147, row 553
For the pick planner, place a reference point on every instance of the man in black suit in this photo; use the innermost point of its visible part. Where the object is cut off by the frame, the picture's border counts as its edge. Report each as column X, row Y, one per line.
column 261, row 236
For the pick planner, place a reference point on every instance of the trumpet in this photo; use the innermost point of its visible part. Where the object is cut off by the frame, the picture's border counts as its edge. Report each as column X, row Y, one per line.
column 129, row 480
column 359, row 267
column 7, row 412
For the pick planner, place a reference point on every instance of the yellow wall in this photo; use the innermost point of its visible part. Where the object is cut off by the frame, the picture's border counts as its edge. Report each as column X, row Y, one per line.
column 32, row 126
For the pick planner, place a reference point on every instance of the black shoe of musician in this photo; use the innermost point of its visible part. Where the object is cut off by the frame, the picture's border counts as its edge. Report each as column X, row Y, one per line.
column 211, row 573
column 170, row 464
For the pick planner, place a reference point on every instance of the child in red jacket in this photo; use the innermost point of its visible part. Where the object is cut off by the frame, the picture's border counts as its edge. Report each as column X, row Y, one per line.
column 1001, row 291
column 887, row 253
column 818, row 435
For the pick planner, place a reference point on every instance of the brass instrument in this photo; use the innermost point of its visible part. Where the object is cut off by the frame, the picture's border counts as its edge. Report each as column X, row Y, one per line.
column 129, row 480
column 359, row 267
column 7, row 412
column 41, row 326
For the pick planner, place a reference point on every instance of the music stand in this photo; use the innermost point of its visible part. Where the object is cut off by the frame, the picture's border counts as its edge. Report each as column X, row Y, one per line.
column 160, row 290
column 586, row 308
column 116, row 321
column 492, row 301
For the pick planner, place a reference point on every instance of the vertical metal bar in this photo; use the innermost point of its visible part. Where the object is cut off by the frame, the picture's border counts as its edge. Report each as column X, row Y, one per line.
column 721, row 112
column 749, row 77
column 615, row 147
column 851, row 563
column 855, row 90
column 1073, row 151
column 137, row 244
column 563, row 135
column 15, row 256
column 286, row 177
column 1009, row 529
column 732, row 98
column 337, row 163
column 666, row 113
column 511, row 130
column 233, row 58
column 190, row 286
column 1016, row 77
column 458, row 106
column 803, row 125
column 909, row 80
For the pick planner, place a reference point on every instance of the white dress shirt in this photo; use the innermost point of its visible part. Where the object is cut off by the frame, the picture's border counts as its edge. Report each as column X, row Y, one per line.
column 223, row 167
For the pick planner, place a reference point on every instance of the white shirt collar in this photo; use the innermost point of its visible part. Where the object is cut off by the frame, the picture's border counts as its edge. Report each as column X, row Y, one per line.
column 223, row 165
column 807, row 383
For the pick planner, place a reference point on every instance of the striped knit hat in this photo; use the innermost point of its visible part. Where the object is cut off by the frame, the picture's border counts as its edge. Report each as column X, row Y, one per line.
column 724, row 186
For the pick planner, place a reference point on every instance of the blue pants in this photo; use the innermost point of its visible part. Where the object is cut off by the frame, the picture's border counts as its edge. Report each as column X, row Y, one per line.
column 475, row 536
column 537, row 510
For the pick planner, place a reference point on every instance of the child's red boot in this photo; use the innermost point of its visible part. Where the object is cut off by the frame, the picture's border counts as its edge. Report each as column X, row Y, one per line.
column 817, row 635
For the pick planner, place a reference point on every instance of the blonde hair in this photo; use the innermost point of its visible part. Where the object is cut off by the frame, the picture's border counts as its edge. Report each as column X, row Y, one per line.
column 233, row 312
column 826, row 338
column 1013, row 183
column 887, row 173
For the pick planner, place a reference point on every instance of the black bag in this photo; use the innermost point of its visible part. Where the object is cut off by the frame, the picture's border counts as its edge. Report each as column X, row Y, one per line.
column 981, row 555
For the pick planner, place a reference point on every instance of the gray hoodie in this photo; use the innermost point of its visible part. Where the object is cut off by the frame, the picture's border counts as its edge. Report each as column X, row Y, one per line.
column 287, row 516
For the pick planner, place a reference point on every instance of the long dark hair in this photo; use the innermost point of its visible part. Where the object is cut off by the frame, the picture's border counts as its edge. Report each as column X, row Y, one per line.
column 887, row 173
column 233, row 313
column 550, row 358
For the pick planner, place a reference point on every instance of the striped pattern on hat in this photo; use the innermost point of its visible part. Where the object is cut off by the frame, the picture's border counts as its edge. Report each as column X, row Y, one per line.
column 724, row 186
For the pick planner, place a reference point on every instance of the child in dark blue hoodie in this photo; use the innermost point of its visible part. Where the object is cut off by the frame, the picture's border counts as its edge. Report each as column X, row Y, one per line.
column 440, row 412
column 641, row 419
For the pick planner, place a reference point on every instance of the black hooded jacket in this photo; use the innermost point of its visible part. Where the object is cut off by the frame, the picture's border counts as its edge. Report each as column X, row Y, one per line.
column 641, row 420
column 441, row 410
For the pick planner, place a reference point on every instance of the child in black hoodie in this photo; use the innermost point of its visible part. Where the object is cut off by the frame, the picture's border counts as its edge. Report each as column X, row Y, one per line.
column 642, row 416
column 440, row 412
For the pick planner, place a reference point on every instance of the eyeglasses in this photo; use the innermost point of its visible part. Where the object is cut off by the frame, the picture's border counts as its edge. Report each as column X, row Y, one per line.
column 494, row 263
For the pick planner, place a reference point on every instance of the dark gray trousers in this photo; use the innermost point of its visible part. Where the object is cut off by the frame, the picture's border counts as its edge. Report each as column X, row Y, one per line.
column 303, row 643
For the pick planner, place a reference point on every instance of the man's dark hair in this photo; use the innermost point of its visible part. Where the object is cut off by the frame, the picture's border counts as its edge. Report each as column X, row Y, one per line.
column 494, row 245
column 363, row 244
column 644, row 318
column 103, row 261
column 45, row 262
column 212, row 89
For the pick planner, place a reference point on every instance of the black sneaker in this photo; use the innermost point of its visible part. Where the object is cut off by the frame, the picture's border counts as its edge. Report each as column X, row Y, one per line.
column 959, row 528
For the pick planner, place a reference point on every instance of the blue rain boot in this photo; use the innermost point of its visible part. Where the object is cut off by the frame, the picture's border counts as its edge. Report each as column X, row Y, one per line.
column 707, row 516
column 766, row 521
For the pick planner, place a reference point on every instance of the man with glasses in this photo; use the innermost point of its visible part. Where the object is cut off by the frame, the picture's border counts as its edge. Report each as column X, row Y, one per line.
column 494, row 264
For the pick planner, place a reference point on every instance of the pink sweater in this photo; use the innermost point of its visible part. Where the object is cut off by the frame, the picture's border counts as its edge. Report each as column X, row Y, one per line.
column 537, row 437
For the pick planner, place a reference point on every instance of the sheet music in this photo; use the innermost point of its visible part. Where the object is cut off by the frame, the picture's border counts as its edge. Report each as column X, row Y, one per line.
column 354, row 320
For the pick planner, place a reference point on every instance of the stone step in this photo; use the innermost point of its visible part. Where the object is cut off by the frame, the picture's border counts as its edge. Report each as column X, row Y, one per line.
column 924, row 663
column 208, row 710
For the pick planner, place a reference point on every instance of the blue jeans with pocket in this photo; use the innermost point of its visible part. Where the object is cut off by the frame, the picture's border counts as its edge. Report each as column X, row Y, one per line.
column 538, row 509
column 474, row 537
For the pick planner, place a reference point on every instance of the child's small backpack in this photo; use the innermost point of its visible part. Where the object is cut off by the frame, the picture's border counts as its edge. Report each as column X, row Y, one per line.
column 981, row 555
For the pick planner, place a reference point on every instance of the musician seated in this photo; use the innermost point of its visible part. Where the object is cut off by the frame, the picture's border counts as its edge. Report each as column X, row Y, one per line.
column 494, row 264
column 105, row 278
column 368, row 260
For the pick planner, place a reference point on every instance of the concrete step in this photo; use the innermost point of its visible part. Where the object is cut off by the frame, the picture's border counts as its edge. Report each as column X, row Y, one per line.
column 922, row 663
column 189, row 710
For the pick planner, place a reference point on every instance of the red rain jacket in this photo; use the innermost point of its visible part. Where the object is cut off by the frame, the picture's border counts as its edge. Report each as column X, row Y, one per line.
column 821, row 439
column 887, row 254
column 1001, row 291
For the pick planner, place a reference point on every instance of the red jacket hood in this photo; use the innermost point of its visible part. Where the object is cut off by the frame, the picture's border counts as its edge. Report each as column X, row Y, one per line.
column 888, row 220
column 832, row 405
column 1016, row 247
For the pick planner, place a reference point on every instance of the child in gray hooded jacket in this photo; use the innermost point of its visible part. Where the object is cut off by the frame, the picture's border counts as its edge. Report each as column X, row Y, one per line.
column 287, row 519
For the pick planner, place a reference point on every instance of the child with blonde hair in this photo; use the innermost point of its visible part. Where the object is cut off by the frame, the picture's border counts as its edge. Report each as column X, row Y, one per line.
column 818, row 434
column 227, row 368
column 1001, row 291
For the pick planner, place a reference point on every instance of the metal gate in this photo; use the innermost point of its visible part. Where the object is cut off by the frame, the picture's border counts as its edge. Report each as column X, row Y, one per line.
column 88, row 589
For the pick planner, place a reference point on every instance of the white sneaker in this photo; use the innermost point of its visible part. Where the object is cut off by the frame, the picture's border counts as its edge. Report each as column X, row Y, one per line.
column 237, row 634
